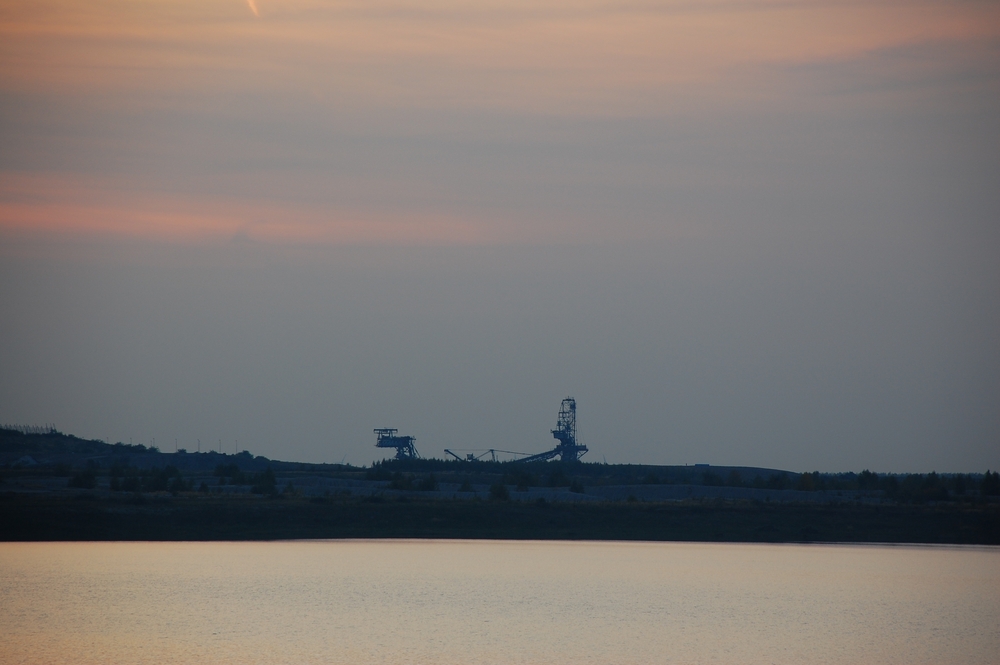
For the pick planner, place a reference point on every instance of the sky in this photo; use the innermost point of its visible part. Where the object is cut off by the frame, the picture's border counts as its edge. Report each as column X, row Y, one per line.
column 738, row 232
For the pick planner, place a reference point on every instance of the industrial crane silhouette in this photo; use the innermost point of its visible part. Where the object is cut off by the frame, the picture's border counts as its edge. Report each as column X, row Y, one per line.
column 403, row 444
column 568, row 450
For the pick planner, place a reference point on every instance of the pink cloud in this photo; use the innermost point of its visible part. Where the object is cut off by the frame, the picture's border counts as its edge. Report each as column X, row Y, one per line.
column 40, row 205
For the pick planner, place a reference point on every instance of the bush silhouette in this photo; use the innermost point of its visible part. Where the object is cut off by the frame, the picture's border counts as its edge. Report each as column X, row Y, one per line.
column 83, row 480
column 264, row 482
column 499, row 492
column 428, row 484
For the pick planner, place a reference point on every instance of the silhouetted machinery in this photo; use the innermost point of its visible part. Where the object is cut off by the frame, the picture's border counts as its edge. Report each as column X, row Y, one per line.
column 472, row 457
column 567, row 449
column 403, row 444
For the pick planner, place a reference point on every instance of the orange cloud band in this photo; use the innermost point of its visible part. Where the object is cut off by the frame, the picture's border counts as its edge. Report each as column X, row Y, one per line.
column 64, row 206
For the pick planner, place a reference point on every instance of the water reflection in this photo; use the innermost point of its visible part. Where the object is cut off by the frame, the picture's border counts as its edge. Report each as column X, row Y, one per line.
column 496, row 602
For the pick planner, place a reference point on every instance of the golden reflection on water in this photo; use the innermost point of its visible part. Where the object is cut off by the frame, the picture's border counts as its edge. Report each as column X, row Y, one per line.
column 464, row 602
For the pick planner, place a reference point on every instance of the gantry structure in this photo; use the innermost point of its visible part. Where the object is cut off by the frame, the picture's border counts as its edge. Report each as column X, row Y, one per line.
column 387, row 438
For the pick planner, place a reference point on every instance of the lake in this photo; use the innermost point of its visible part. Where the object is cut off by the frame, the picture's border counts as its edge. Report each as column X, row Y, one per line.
column 502, row 602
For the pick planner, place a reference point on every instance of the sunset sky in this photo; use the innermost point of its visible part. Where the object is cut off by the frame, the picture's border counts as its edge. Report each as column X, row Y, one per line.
column 737, row 232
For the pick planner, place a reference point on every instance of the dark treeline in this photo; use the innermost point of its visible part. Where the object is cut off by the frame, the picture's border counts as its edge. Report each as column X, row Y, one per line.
column 137, row 468
column 903, row 488
column 55, row 442
column 262, row 482
column 54, row 487
column 910, row 487
column 907, row 488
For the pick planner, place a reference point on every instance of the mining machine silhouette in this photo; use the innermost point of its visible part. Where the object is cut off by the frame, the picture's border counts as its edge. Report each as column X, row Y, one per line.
column 405, row 449
column 568, row 450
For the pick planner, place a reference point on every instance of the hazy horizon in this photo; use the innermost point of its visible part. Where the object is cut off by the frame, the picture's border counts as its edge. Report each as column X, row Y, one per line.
column 762, row 233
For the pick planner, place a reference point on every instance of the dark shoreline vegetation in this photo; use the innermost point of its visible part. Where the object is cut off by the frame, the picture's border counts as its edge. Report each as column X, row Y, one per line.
column 59, row 487
column 86, row 517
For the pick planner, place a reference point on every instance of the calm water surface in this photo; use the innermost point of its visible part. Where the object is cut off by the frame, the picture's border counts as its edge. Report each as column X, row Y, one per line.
column 465, row 602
